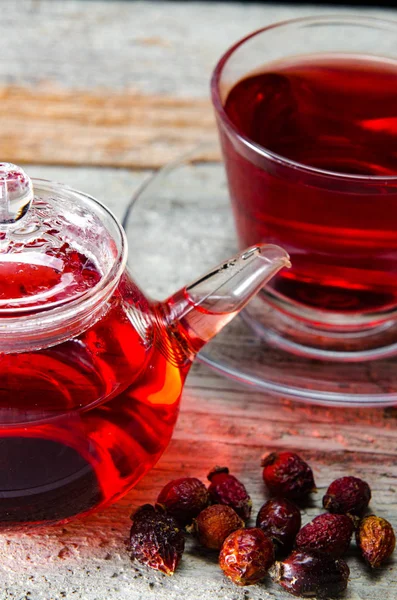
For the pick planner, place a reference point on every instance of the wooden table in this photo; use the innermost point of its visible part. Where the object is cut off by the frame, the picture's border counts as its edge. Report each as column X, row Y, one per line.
column 97, row 94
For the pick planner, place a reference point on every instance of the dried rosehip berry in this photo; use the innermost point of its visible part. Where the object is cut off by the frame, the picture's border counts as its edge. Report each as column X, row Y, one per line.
column 156, row 539
column 246, row 556
column 184, row 499
column 214, row 524
column 328, row 533
column 286, row 474
column 376, row 540
column 280, row 520
column 227, row 489
column 310, row 573
column 347, row 495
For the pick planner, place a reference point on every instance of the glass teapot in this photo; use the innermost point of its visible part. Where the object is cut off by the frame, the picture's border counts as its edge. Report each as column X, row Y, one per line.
column 91, row 371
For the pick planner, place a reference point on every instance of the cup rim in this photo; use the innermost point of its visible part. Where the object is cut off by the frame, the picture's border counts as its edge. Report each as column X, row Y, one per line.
column 261, row 150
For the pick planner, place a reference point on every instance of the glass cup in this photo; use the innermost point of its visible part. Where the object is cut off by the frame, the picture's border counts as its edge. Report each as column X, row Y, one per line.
column 338, row 222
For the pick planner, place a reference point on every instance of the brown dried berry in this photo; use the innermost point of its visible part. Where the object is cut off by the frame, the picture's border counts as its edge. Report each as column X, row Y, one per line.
column 227, row 489
column 214, row 524
column 246, row 556
column 347, row 495
column 184, row 499
column 156, row 539
column 310, row 573
column 286, row 474
column 376, row 540
column 328, row 533
column 280, row 520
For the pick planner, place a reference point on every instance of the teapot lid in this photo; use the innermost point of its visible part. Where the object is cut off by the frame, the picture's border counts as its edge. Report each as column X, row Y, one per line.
column 57, row 248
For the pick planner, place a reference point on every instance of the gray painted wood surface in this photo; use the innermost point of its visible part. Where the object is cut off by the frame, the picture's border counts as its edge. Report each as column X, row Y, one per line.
column 168, row 49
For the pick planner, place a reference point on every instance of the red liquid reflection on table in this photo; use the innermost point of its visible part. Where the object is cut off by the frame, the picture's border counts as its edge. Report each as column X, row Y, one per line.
column 80, row 421
column 335, row 114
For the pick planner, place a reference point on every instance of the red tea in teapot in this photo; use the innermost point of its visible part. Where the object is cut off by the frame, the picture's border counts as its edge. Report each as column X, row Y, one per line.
column 335, row 114
column 83, row 420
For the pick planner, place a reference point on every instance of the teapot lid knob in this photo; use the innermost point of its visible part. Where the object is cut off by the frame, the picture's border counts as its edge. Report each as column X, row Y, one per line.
column 16, row 193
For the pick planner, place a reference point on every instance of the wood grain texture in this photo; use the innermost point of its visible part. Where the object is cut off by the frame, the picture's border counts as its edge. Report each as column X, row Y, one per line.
column 104, row 128
column 147, row 47
column 113, row 187
column 69, row 76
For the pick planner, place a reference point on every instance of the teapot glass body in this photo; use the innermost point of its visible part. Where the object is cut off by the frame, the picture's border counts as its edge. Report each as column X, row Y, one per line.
column 81, row 421
column 91, row 371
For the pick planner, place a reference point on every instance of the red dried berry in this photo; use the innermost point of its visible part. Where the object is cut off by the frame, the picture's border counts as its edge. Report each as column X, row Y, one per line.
column 376, row 539
column 286, row 474
column 246, row 556
column 156, row 539
column 280, row 520
column 328, row 533
column 227, row 489
column 184, row 498
column 310, row 573
column 214, row 524
column 347, row 495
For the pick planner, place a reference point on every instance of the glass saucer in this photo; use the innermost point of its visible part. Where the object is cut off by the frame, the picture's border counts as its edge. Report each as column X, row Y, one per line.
column 179, row 224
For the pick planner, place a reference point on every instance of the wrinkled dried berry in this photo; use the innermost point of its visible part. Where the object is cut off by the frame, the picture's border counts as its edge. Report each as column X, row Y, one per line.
column 214, row 524
column 280, row 520
column 184, row 499
column 328, row 533
column 156, row 539
column 376, row 540
column 286, row 474
column 246, row 556
column 310, row 573
column 347, row 495
column 227, row 489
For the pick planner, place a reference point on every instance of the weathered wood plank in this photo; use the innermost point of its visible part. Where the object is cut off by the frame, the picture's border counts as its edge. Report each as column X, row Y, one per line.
column 104, row 128
column 113, row 187
column 148, row 47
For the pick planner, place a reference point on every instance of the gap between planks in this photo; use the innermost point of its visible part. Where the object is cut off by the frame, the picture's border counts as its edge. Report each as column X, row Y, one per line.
column 103, row 128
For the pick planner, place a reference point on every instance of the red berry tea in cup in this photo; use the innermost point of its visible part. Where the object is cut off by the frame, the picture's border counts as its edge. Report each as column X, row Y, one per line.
column 334, row 113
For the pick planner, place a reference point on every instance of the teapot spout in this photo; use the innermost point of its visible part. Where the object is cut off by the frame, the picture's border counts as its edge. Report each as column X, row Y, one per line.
column 203, row 308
